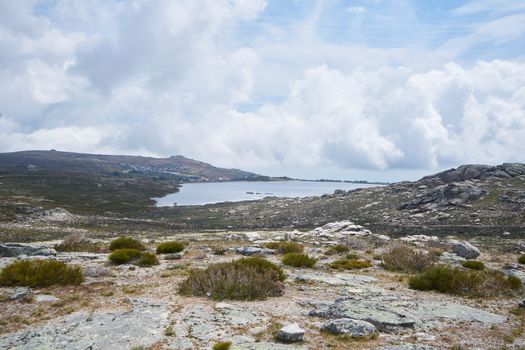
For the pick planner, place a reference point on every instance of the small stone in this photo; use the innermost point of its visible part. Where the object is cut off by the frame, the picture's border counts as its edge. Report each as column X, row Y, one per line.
column 291, row 334
column 354, row 328
column 132, row 268
column 174, row 256
column 248, row 251
column 465, row 250
column 98, row 271
column 46, row 298
column 21, row 293
column 522, row 304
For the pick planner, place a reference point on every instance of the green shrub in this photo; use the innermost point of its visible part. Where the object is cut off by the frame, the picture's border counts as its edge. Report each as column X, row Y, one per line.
column 148, row 259
column 124, row 256
column 261, row 265
column 170, row 247
column 78, row 243
column 473, row 265
column 405, row 259
column 298, row 260
column 126, row 243
column 233, row 280
column 223, row 345
column 218, row 249
column 465, row 282
column 40, row 273
column 521, row 259
column 352, row 256
column 350, row 264
column 337, row 249
column 285, row 247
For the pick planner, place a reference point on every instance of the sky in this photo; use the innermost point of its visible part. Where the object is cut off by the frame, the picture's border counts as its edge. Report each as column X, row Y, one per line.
column 359, row 89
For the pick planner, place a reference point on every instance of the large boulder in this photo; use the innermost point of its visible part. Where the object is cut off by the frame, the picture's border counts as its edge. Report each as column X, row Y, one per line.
column 291, row 334
column 465, row 250
column 16, row 249
column 354, row 328
column 453, row 194
column 248, row 251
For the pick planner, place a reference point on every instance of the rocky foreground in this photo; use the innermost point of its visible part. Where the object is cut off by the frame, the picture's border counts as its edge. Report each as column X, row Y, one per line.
column 130, row 307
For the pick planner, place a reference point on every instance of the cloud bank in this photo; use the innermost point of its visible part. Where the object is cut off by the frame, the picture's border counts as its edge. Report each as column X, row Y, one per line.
column 222, row 82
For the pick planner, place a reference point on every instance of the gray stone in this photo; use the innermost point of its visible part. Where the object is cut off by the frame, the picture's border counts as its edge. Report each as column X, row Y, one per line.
column 17, row 249
column 391, row 312
column 290, row 334
column 354, row 328
column 98, row 271
column 407, row 347
column 173, row 256
column 465, row 250
column 46, row 298
column 522, row 304
column 248, row 251
column 266, row 346
column 21, row 293
column 143, row 325
column 516, row 273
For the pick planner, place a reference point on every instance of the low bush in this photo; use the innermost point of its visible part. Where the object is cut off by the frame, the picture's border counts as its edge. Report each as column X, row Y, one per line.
column 78, row 243
column 170, row 247
column 237, row 280
column 148, row 259
column 124, row 256
column 521, row 259
column 285, row 247
column 261, row 264
column 352, row 256
column 405, row 259
column 472, row 283
column 40, row 273
column 337, row 249
column 298, row 260
column 219, row 249
column 473, row 265
column 350, row 264
column 126, row 243
column 223, row 345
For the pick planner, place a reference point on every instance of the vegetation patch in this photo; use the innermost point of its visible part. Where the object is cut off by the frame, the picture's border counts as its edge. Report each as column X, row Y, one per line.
column 223, row 345
column 126, row 243
column 124, row 256
column 261, row 265
column 472, row 283
column 521, row 259
column 405, row 259
column 218, row 249
column 285, row 247
column 337, row 249
column 40, row 273
column 473, row 265
column 148, row 259
column 244, row 279
column 350, row 264
column 78, row 243
column 170, row 247
column 298, row 260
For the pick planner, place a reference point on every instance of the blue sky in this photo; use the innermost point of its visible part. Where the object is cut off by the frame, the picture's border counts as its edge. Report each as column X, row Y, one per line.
column 380, row 89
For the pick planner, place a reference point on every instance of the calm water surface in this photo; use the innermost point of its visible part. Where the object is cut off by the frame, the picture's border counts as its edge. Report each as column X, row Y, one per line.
column 217, row 192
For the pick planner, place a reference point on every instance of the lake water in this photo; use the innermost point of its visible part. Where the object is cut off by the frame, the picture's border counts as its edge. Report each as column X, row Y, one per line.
column 217, row 192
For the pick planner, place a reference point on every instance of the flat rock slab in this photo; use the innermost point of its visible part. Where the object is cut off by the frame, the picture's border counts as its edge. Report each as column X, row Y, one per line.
column 337, row 279
column 143, row 325
column 407, row 347
column 267, row 346
column 394, row 312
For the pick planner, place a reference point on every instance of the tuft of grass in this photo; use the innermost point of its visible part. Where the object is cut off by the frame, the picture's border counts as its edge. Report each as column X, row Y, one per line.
column 218, row 249
column 405, row 259
column 126, row 243
column 242, row 279
column 298, row 260
column 473, row 265
column 337, row 249
column 78, row 243
column 350, row 264
column 352, row 256
column 124, row 256
column 170, row 247
column 40, row 273
column 148, row 259
column 223, row 345
column 285, row 247
column 472, row 283
column 521, row 259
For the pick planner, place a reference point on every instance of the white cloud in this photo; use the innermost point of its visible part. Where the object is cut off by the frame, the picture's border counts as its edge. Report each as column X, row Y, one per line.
column 356, row 9
column 173, row 77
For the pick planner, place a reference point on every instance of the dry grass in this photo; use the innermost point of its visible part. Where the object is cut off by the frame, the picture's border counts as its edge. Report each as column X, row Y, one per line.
column 285, row 247
column 298, row 260
column 405, row 259
column 78, row 242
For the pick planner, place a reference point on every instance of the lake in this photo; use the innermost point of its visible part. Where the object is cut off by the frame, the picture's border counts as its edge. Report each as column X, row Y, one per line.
column 217, row 192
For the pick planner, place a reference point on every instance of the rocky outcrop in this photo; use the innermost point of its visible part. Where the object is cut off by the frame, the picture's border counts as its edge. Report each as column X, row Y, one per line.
column 465, row 250
column 479, row 172
column 353, row 328
column 142, row 326
column 17, row 249
column 248, row 251
column 290, row 334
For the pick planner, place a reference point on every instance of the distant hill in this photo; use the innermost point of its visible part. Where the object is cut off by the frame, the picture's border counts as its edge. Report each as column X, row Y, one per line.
column 177, row 168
